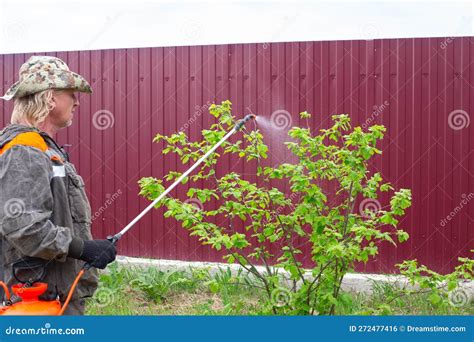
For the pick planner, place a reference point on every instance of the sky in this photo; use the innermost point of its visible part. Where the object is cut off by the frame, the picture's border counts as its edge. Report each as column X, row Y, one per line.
column 51, row 25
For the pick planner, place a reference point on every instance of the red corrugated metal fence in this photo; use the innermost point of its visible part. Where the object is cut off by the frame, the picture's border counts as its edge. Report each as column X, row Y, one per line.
column 420, row 89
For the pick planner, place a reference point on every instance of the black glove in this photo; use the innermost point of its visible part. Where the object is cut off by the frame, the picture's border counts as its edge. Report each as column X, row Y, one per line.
column 97, row 253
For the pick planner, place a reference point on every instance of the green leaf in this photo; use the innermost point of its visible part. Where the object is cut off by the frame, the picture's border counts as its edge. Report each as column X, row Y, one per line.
column 452, row 284
column 214, row 287
column 402, row 236
column 387, row 218
column 305, row 115
column 364, row 256
column 293, row 269
column 434, row 298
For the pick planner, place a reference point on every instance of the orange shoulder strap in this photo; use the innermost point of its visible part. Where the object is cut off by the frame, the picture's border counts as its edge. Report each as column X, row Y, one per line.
column 32, row 139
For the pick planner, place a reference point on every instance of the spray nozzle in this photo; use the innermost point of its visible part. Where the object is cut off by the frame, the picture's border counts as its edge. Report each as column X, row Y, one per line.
column 244, row 121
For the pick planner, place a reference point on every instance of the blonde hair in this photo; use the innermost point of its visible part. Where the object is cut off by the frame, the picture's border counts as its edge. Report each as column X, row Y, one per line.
column 32, row 109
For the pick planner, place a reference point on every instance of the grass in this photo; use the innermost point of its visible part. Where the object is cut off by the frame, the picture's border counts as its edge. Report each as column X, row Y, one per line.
column 148, row 291
column 413, row 304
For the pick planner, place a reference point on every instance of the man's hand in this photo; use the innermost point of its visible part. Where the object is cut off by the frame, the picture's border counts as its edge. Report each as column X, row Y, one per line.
column 97, row 253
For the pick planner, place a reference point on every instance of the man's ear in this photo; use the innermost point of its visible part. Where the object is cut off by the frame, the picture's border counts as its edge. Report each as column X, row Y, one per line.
column 53, row 102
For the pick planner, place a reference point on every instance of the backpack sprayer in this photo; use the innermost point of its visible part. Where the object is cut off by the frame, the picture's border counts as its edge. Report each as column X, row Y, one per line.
column 29, row 291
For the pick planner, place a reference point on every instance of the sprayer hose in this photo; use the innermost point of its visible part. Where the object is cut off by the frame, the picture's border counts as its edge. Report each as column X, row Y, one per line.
column 71, row 291
column 5, row 288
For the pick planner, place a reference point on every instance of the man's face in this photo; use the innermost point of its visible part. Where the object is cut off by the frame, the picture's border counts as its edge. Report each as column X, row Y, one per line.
column 65, row 103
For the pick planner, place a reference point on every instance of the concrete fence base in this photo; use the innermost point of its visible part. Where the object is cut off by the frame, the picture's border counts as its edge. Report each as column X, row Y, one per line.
column 352, row 282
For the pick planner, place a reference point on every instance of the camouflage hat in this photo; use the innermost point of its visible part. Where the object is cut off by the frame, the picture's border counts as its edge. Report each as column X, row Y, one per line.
column 39, row 73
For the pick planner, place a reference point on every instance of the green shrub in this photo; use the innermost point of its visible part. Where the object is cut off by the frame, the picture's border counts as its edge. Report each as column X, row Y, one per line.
column 325, row 217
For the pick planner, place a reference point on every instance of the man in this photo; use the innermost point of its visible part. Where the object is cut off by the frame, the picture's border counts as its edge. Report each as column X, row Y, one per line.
column 44, row 211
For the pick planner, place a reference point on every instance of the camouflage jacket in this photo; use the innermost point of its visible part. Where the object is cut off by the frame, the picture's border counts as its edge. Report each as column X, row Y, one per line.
column 43, row 206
